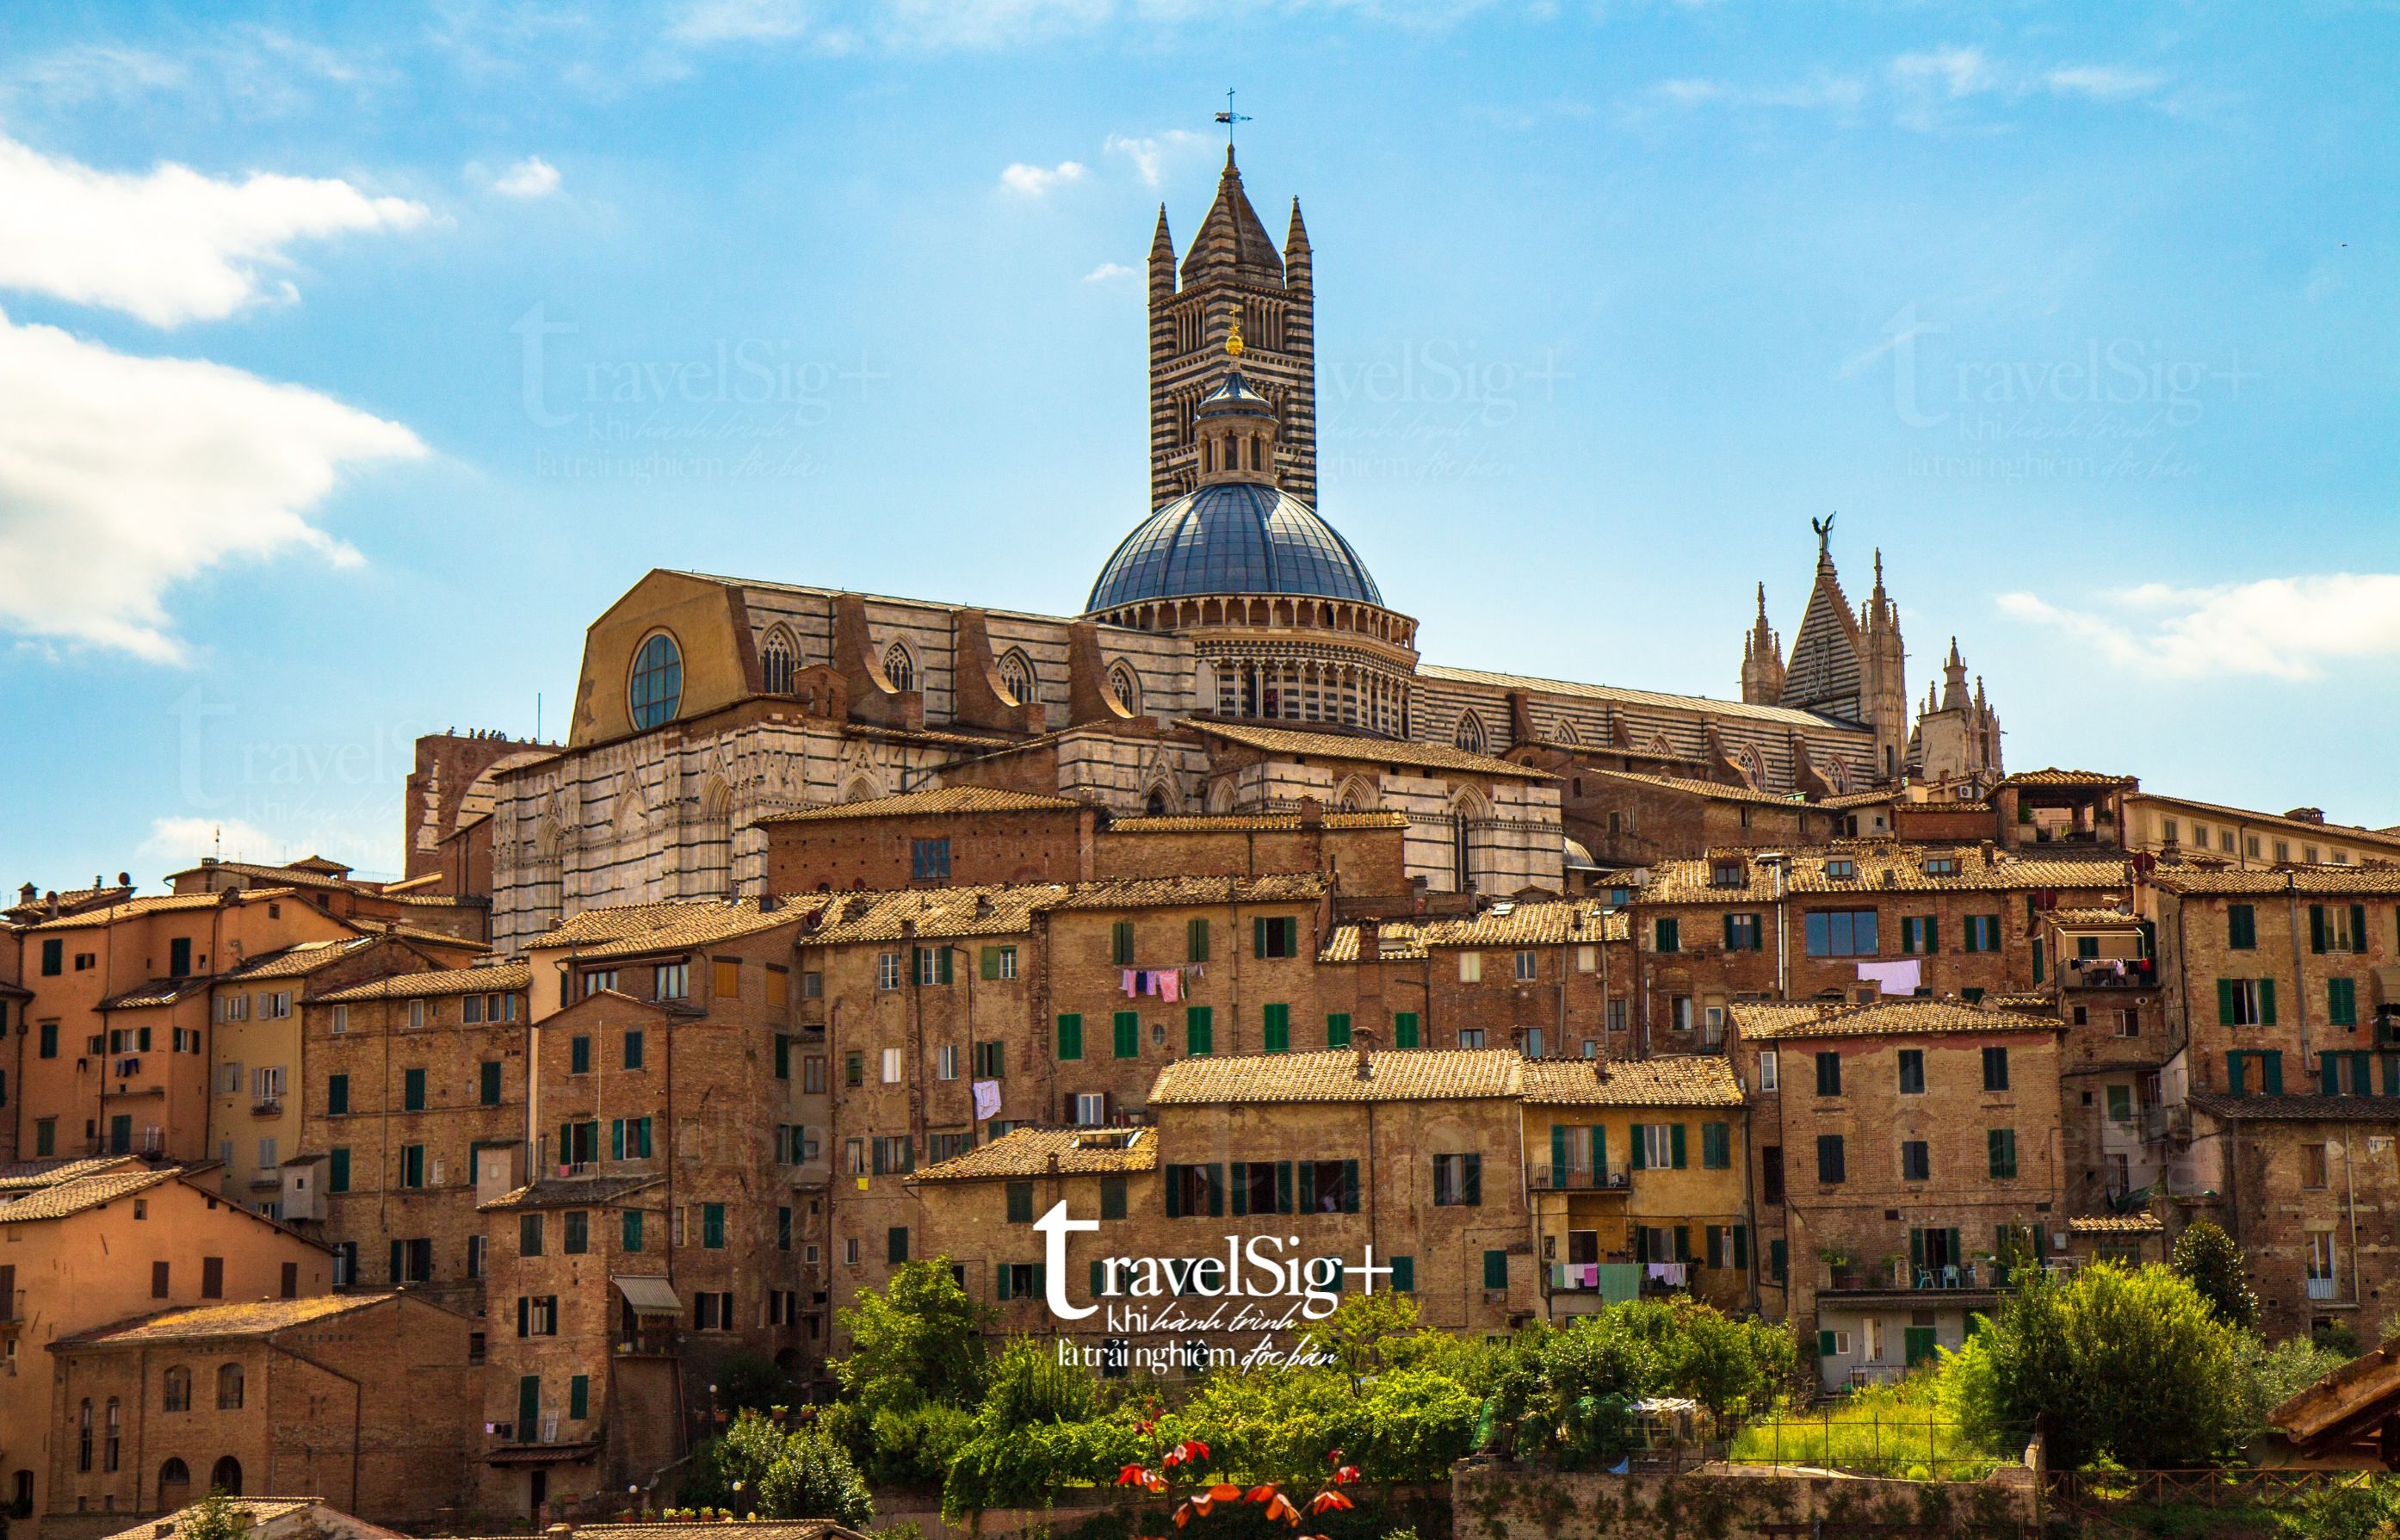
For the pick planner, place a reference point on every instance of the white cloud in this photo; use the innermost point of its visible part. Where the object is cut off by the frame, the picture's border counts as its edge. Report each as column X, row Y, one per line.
column 532, row 177
column 2282, row 627
column 1953, row 72
column 181, row 842
column 1035, row 181
column 2102, row 82
column 1150, row 153
column 169, row 245
column 1107, row 271
column 122, row 476
column 706, row 21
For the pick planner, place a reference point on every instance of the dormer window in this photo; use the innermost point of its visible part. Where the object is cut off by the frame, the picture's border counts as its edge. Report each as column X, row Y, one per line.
column 1841, row 868
column 1941, row 865
column 1728, row 874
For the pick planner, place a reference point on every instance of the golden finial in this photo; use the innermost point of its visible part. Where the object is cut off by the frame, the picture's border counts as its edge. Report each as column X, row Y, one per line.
column 1233, row 336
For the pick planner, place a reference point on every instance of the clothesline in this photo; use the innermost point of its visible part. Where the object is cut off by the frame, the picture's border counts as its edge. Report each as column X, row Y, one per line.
column 1166, row 982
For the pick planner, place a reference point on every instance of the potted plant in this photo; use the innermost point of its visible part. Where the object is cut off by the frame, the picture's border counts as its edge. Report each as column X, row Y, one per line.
column 1838, row 1262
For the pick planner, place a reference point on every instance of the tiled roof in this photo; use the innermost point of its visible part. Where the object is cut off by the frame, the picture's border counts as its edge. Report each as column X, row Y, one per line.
column 2055, row 777
column 2112, row 918
column 297, row 962
column 1689, row 1080
column 158, row 991
column 294, row 876
column 1716, row 791
column 25, row 1176
column 573, row 1192
column 1544, row 922
column 944, row 800
column 134, row 908
column 1237, row 823
column 935, row 913
column 260, row 1512
column 2332, row 833
column 2144, row 1223
column 34, row 913
column 247, row 1319
column 1409, row 1074
column 1705, row 706
column 499, row 979
column 2289, row 1108
column 1029, row 1153
column 1883, row 868
column 1289, row 743
column 1868, row 798
column 633, row 929
column 423, row 935
column 1771, row 1022
column 2308, row 882
column 2029, row 999
column 1135, row 892
column 60, row 1200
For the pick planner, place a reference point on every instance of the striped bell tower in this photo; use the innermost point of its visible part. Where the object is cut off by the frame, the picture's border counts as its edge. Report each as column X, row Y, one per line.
column 1231, row 272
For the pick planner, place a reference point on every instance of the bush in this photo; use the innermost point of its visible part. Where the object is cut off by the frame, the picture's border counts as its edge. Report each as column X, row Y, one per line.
column 757, row 1465
column 2135, row 1364
column 916, row 1371
column 2206, row 1258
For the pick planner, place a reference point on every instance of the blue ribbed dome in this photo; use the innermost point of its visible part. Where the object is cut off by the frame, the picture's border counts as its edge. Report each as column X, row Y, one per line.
column 1231, row 537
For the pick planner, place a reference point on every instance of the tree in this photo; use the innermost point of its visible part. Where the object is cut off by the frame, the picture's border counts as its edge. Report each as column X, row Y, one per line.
column 759, row 1466
column 2133, row 1365
column 916, row 1370
column 216, row 1517
column 2208, row 1260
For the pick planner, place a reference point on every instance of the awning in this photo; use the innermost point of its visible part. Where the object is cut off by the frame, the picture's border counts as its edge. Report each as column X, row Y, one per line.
column 648, row 1294
column 542, row 1454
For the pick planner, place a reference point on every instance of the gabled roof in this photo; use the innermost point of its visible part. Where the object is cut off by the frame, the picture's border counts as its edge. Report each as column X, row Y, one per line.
column 1687, row 1080
column 1408, row 1074
column 1704, row 705
column 930, row 913
column 1714, row 790
column 635, row 929
column 25, row 1176
column 940, row 800
column 1540, row 922
column 297, row 961
column 1032, row 1151
column 1904, row 1017
column 2055, row 777
column 246, row 1318
column 2308, row 882
column 267, row 1516
column 500, row 979
column 64, row 1199
column 1293, row 744
column 1881, row 868
column 2340, row 834
column 134, row 908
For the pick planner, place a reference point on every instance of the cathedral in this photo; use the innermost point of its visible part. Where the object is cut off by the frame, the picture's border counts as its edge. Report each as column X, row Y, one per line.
column 1234, row 656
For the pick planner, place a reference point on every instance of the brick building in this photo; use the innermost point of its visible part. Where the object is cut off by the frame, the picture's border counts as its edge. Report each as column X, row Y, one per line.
column 1548, row 977
column 454, row 924
column 97, row 1241
column 1908, row 1154
column 361, row 1399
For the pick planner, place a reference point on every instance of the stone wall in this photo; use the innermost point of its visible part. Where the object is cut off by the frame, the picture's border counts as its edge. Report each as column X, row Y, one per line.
column 1493, row 1499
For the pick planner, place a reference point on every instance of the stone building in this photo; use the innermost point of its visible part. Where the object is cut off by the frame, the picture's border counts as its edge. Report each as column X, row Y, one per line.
column 96, row 1241
column 454, row 923
column 1235, row 655
column 1549, row 978
column 411, row 1104
column 363, row 1399
column 1908, row 1156
column 1951, row 921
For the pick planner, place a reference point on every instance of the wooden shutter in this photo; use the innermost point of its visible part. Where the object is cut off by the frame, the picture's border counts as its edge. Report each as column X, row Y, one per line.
column 2358, row 927
column 1259, row 937
column 2272, row 1061
column 1741, row 1246
column 1283, row 1187
column 2316, row 928
column 1216, row 1191
column 1675, row 1145
column 1559, row 1158
column 1599, row 1155
column 1308, row 1187
column 1241, row 1189
column 1641, row 1157
column 2266, row 1003
column 1349, row 1187
column 1474, row 1181
column 2225, row 1003
column 1175, row 1191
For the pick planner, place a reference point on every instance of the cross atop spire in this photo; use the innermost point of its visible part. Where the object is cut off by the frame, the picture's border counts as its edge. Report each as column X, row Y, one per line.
column 1229, row 117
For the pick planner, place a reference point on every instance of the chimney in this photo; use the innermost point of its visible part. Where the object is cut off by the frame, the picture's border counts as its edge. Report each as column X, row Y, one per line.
column 769, row 903
column 27, row 893
column 983, row 907
column 1312, row 814
column 207, row 861
column 125, row 879
column 1370, row 938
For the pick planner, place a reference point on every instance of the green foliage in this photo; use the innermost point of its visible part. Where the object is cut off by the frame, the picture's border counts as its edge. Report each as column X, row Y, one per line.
column 2269, row 1376
column 2207, row 1259
column 2135, row 1364
column 916, row 1371
column 1908, row 1430
column 2368, row 1511
column 749, row 1380
column 1570, row 1392
column 215, row 1518
column 759, row 1466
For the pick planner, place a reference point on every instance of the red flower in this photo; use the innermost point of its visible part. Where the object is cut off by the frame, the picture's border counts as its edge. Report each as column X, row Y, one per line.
column 1132, row 1476
column 1155, row 1482
column 1346, row 1475
column 1194, row 1449
column 1325, row 1501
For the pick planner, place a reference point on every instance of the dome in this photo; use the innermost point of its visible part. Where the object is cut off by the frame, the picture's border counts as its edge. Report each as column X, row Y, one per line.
column 1231, row 537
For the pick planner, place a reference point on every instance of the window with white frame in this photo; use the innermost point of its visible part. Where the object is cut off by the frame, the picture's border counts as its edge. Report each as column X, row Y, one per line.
column 1471, row 967
column 1767, row 1072
column 1091, row 1108
column 891, row 1066
column 946, row 1061
column 887, row 970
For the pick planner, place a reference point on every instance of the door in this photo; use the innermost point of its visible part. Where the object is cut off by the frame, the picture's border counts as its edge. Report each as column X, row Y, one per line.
column 120, row 1133
column 1919, row 1343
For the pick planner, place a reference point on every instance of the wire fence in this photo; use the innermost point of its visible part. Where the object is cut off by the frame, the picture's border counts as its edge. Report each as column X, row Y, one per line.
column 2216, row 1487
column 1884, row 1441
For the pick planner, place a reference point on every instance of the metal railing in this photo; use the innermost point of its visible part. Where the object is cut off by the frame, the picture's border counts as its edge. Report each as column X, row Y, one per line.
column 1549, row 1179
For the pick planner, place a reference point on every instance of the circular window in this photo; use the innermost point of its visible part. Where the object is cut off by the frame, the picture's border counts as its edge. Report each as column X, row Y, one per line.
column 658, row 681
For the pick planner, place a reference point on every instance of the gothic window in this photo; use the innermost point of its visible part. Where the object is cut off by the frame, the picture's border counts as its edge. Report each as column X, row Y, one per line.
column 1016, row 677
column 1837, row 775
column 1564, row 732
column 1658, row 745
column 1125, row 686
column 779, row 661
column 1469, row 735
column 1157, row 805
column 899, row 667
column 1747, row 757
column 1358, row 795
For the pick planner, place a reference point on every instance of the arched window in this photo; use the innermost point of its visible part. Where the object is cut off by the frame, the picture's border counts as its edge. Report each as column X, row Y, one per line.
column 1125, row 686
column 778, row 661
column 1747, row 757
column 1469, row 735
column 174, row 1484
column 229, row 1388
column 115, row 1417
column 656, row 691
column 226, row 1476
column 83, row 1436
column 1358, row 795
column 899, row 667
column 1156, row 806
column 177, row 1396
column 1016, row 677
column 1564, row 732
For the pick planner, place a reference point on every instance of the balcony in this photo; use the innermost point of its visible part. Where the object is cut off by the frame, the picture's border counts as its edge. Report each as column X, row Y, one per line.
column 2325, row 1289
column 12, row 1308
column 1547, row 1178
column 2111, row 972
column 2166, row 1120
column 267, row 1107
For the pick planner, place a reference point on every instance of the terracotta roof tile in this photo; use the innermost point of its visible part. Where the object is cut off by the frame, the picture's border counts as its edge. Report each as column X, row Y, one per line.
column 934, row 913
column 59, row 1200
column 1772, row 1022
column 2055, row 777
column 762, row 1529
column 634, row 929
column 260, row 1512
column 2288, row 1108
column 25, row 1176
column 297, row 962
column 1884, row 869
column 2144, row 1223
column 497, row 979
column 1408, row 1074
column 1714, row 790
column 2112, row 918
column 289, row 877
column 1541, row 923
column 943, row 799
column 573, row 1192
column 161, row 904
column 158, row 991
column 2309, row 881
column 1689, row 1080
column 2330, row 833
column 1029, row 1151
column 246, row 1318
column 1133, row 892
column 1291, row 743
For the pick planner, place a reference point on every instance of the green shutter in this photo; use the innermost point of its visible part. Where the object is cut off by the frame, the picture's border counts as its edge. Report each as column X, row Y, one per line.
column 2330, row 1073
column 1127, row 1029
column 2267, row 1003
column 1349, row 1187
column 1640, row 1161
column 617, row 1138
column 1121, row 942
column 2273, row 1061
column 632, row 1229
column 337, row 1176
column 1197, row 940
column 1199, row 1029
column 1475, row 1181
column 1404, row 1274
column 1276, row 1028
column 1216, row 1191
column 1495, row 1270
column 1096, row 1279
column 1932, row 934
column 1241, row 1189
column 1741, row 1246
column 2225, row 1003
column 1716, row 1248
column 990, row 960
column 1337, row 1030
column 1404, row 1028
column 579, row 1398
column 1599, row 1155
column 1070, row 1035
column 1283, row 1187
column 1259, row 937
column 1175, row 1191
column 1824, row 1345
column 2358, row 927
column 1729, row 943
column 1675, row 1145
column 2236, row 1074
column 2317, row 928
column 1559, row 1162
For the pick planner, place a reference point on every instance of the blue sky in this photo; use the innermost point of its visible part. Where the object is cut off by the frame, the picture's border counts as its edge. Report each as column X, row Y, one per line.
column 2084, row 315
